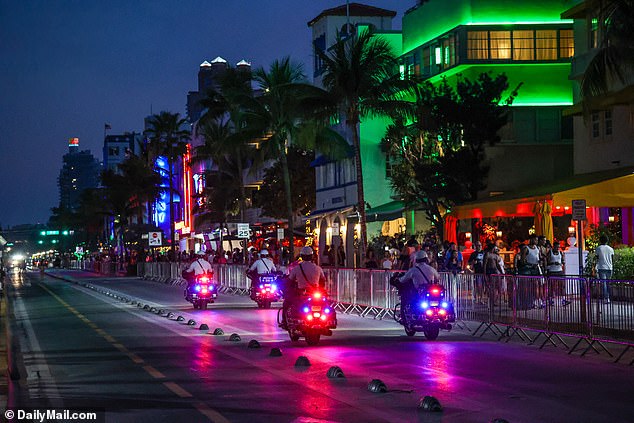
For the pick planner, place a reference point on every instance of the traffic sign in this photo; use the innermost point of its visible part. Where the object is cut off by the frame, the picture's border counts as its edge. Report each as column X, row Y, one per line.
column 243, row 230
column 154, row 239
column 578, row 209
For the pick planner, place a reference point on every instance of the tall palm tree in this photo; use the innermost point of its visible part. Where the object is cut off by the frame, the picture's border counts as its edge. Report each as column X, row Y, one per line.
column 168, row 137
column 614, row 59
column 289, row 111
column 221, row 127
column 361, row 73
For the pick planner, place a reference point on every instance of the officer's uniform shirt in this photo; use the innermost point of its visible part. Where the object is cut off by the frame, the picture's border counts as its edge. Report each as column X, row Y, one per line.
column 415, row 275
column 263, row 265
column 314, row 275
column 199, row 266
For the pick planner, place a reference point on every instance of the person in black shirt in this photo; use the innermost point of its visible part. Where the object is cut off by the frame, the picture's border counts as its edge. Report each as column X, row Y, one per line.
column 476, row 264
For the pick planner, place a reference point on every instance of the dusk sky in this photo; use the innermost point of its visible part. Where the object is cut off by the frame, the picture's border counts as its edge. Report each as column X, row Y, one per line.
column 68, row 67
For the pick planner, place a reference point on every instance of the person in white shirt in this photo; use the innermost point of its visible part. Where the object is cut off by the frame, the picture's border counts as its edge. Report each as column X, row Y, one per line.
column 198, row 266
column 305, row 275
column 387, row 262
column 261, row 266
column 605, row 256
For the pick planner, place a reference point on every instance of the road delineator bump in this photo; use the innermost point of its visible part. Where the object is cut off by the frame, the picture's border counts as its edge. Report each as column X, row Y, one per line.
column 253, row 344
column 180, row 319
column 302, row 361
column 377, row 386
column 191, row 322
column 335, row 372
column 275, row 352
column 218, row 331
column 429, row 403
column 235, row 337
column 204, row 326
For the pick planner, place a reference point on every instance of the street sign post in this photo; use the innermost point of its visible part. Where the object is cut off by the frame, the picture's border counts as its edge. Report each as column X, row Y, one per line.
column 280, row 234
column 155, row 239
column 579, row 214
column 243, row 230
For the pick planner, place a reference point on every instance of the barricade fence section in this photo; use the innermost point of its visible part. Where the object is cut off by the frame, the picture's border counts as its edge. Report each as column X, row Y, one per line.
column 582, row 307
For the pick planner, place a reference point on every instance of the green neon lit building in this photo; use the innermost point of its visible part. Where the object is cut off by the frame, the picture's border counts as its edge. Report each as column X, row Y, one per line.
column 529, row 42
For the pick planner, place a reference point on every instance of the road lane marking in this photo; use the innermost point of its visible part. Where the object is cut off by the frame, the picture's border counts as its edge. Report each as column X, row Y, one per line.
column 172, row 386
column 153, row 372
column 40, row 366
column 198, row 337
column 181, row 392
column 210, row 413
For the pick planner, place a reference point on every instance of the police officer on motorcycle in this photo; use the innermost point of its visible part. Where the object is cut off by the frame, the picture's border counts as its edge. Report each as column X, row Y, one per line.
column 416, row 278
column 199, row 266
column 303, row 276
column 261, row 266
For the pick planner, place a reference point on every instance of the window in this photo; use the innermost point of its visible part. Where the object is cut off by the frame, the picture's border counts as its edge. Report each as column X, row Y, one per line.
column 388, row 165
column 566, row 43
column 500, row 44
column 594, row 33
column 607, row 122
column 596, row 125
column 546, row 44
column 478, row 45
column 113, row 151
column 523, row 43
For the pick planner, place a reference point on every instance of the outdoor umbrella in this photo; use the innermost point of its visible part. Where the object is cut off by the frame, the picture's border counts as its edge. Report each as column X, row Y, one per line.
column 543, row 219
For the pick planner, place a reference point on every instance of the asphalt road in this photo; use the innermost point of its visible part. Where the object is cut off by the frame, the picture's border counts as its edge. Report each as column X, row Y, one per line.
column 84, row 349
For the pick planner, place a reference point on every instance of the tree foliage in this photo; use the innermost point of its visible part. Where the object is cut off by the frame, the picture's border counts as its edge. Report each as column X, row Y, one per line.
column 271, row 198
column 438, row 159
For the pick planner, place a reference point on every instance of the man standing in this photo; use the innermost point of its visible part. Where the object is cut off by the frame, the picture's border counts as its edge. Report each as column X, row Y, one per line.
column 605, row 255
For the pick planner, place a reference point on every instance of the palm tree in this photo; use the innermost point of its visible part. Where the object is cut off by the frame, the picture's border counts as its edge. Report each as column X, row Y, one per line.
column 168, row 138
column 221, row 126
column 361, row 74
column 289, row 111
column 615, row 56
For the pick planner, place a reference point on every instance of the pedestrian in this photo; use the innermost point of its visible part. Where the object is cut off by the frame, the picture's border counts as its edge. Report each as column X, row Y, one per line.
column 341, row 256
column 387, row 262
column 605, row 258
column 476, row 265
column 325, row 256
column 370, row 260
column 555, row 267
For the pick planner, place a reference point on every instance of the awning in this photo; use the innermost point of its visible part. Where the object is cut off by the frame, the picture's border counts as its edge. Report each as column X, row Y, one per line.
column 600, row 189
column 387, row 211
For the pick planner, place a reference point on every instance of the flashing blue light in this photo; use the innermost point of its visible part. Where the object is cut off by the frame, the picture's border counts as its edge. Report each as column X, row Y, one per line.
column 306, row 310
column 197, row 288
column 261, row 286
column 273, row 287
column 212, row 287
column 444, row 305
column 424, row 304
column 327, row 310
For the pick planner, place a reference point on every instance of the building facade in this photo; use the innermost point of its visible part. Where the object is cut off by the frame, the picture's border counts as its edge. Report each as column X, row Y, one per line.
column 80, row 171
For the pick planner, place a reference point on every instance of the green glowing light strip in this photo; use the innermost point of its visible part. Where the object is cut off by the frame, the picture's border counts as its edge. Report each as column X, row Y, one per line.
column 560, row 21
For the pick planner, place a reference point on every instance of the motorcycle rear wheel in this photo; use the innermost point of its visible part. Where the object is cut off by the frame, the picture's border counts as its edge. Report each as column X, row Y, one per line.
column 266, row 304
column 432, row 332
column 312, row 338
column 294, row 338
column 410, row 332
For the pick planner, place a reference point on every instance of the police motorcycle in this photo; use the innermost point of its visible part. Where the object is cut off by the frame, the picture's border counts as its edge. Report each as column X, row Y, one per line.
column 201, row 290
column 428, row 311
column 267, row 288
column 310, row 317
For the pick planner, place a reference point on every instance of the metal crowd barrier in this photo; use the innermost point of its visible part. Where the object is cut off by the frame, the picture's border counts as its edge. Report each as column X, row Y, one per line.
column 506, row 305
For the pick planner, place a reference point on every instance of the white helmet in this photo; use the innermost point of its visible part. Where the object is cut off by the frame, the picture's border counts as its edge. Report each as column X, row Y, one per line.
column 306, row 251
column 264, row 252
column 421, row 255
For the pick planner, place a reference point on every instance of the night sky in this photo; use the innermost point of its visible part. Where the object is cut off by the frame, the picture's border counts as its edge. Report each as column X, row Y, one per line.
column 69, row 67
